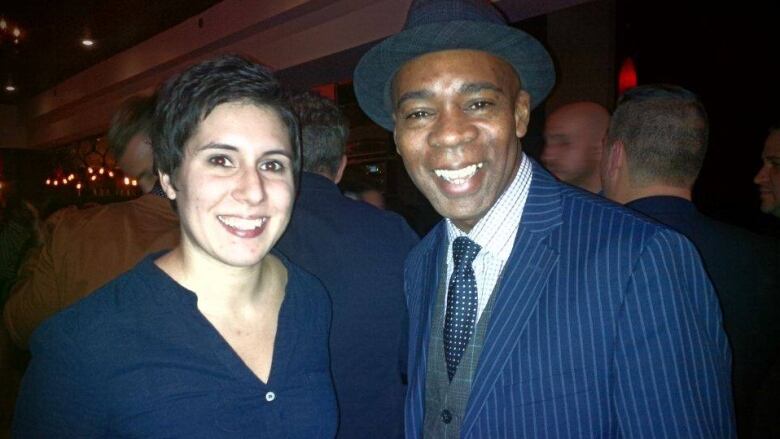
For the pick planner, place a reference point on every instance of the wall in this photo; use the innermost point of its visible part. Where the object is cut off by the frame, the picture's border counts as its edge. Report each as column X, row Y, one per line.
column 12, row 132
column 281, row 33
column 582, row 42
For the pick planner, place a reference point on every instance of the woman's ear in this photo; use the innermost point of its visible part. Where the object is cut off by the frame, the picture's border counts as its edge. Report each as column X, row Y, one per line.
column 167, row 185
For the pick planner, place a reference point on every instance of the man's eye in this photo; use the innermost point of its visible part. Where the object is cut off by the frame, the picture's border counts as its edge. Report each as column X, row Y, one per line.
column 480, row 105
column 220, row 160
column 419, row 114
column 271, row 165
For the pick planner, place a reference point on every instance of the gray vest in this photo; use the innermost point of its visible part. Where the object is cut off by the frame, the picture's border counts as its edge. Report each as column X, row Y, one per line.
column 445, row 401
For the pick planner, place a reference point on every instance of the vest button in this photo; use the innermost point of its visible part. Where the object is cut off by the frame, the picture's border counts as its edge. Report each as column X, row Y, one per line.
column 446, row 416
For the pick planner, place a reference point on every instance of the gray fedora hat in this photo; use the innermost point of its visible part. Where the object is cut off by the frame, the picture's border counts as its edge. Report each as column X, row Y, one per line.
column 435, row 25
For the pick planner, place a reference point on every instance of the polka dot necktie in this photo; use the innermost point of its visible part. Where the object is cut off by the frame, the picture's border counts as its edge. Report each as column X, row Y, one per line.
column 461, row 313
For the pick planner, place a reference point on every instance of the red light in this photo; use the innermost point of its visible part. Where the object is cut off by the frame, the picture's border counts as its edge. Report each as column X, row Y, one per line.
column 627, row 77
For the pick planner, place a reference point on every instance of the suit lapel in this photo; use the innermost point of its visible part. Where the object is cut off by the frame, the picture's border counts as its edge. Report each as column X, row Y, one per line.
column 523, row 280
column 427, row 276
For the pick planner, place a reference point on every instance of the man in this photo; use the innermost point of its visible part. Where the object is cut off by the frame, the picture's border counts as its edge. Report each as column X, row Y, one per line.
column 83, row 249
column 573, row 139
column 656, row 147
column 768, row 177
column 129, row 141
column 357, row 251
column 536, row 310
column 365, row 191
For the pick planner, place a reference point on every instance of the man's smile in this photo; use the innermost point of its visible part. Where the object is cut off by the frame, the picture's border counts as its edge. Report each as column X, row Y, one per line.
column 458, row 176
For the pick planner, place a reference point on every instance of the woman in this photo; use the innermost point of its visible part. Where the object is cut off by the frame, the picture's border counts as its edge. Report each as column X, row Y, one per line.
column 217, row 337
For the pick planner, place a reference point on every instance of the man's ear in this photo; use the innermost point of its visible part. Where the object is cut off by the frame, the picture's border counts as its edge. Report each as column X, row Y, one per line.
column 522, row 113
column 340, row 172
column 167, row 185
column 395, row 134
column 615, row 160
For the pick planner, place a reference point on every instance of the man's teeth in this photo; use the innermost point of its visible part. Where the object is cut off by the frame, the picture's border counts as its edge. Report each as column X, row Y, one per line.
column 242, row 223
column 458, row 176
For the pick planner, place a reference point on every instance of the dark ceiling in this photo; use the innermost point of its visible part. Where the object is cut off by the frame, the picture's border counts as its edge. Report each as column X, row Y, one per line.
column 50, row 49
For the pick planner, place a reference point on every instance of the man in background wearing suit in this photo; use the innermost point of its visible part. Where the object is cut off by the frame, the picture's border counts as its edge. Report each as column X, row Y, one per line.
column 536, row 309
column 656, row 147
column 357, row 251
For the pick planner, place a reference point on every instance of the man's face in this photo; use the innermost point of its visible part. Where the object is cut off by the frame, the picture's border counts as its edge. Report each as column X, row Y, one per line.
column 137, row 161
column 458, row 117
column 768, row 178
column 573, row 138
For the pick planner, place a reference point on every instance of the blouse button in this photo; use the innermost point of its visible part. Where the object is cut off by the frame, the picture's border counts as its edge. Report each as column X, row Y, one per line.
column 270, row 396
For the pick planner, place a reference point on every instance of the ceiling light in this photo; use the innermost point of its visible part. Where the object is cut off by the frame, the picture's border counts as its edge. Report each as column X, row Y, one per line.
column 87, row 42
column 10, row 31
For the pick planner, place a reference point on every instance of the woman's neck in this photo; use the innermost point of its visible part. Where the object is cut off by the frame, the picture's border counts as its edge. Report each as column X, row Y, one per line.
column 223, row 290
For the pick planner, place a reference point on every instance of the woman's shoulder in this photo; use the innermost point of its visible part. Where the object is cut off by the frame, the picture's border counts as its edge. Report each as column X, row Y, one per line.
column 104, row 313
column 303, row 284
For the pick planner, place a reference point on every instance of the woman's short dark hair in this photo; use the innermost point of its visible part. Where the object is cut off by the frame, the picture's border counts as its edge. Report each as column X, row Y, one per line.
column 186, row 100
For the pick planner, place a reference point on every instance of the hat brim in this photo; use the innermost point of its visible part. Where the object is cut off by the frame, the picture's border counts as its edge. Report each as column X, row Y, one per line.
column 376, row 69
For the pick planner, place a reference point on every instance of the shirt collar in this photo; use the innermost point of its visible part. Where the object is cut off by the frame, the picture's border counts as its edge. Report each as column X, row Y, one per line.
column 496, row 230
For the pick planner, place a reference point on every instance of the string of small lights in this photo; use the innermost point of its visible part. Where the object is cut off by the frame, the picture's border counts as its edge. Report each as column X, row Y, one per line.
column 85, row 168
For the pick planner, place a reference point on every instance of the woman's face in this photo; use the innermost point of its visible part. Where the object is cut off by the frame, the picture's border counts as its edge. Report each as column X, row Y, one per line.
column 234, row 189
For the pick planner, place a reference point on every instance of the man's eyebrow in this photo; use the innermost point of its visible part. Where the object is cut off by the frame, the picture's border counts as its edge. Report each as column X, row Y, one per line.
column 414, row 94
column 476, row 87
column 468, row 88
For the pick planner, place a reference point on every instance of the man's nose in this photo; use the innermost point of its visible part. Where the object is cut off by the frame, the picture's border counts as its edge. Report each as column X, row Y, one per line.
column 452, row 128
column 761, row 176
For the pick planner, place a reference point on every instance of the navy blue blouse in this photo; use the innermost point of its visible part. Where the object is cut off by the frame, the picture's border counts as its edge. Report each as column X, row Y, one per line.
column 137, row 359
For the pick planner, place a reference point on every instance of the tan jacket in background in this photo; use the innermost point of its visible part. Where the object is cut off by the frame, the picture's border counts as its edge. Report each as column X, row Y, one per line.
column 82, row 250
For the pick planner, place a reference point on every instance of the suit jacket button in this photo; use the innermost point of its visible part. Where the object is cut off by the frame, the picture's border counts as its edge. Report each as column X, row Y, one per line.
column 446, row 416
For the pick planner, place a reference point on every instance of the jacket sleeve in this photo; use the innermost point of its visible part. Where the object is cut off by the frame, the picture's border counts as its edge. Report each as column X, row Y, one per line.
column 35, row 296
column 672, row 361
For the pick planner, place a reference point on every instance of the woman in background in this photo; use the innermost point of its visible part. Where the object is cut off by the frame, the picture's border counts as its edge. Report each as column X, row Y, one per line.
column 219, row 336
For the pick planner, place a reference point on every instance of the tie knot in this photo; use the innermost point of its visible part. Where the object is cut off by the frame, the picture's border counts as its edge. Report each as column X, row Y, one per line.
column 464, row 251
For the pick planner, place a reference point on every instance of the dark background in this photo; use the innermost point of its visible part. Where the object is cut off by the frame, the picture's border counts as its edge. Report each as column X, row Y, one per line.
column 728, row 55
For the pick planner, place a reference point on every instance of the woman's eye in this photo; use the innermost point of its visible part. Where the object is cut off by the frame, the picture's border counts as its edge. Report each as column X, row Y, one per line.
column 220, row 160
column 271, row 165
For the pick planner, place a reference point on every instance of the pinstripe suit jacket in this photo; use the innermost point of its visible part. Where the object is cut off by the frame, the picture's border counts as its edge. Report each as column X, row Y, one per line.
column 605, row 325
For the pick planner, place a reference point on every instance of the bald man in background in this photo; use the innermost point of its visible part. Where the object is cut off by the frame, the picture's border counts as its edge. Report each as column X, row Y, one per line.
column 573, row 141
